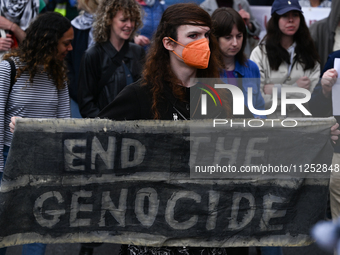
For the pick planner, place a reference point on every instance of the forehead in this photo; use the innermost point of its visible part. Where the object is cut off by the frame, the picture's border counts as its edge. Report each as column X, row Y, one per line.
column 119, row 14
column 235, row 29
column 123, row 14
column 68, row 35
column 184, row 29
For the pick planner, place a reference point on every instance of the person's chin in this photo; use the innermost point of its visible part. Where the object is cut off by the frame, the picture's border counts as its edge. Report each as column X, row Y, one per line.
column 126, row 36
column 233, row 53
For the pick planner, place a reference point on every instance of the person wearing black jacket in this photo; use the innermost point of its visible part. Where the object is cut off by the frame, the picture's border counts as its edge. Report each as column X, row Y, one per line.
column 183, row 49
column 113, row 62
column 321, row 105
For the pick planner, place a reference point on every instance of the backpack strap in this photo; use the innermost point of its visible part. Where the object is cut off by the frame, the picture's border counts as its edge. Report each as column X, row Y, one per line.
column 116, row 62
column 13, row 73
column 2, row 33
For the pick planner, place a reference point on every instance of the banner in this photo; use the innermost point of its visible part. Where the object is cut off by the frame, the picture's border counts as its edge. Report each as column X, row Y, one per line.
column 82, row 180
column 263, row 13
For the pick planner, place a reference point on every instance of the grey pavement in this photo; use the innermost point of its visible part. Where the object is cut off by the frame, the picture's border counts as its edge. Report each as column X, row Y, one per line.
column 113, row 249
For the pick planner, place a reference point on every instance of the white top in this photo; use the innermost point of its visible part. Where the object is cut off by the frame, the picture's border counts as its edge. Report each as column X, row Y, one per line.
column 325, row 3
column 336, row 45
column 38, row 100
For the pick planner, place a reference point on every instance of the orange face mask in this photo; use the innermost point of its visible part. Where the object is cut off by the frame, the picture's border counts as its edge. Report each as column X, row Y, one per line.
column 195, row 54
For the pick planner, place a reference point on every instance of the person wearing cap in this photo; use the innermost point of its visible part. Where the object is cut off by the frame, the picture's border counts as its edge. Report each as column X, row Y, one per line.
column 286, row 57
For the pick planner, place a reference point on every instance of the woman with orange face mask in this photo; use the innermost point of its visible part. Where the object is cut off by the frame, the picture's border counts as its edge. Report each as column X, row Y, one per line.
column 183, row 49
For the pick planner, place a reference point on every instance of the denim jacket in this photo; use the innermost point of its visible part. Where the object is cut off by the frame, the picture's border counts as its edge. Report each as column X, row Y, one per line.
column 250, row 75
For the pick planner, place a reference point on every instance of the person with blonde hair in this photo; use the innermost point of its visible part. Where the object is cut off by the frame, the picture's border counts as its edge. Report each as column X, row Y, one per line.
column 113, row 62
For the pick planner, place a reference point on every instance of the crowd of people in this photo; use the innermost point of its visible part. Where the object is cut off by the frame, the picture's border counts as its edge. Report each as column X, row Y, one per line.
column 140, row 59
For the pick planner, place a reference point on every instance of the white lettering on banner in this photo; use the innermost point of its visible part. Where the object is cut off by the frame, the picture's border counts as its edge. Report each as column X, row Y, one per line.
column 50, row 206
column 138, row 155
column 231, row 154
column 214, row 198
column 251, row 152
column 77, row 207
column 149, row 218
column 269, row 212
column 55, row 214
column 131, row 154
column 234, row 224
column 170, row 210
column 105, row 155
column 117, row 212
column 195, row 143
column 70, row 155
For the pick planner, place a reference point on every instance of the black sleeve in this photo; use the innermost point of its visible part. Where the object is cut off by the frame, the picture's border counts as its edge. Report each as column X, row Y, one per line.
column 132, row 103
column 87, row 85
column 319, row 105
column 71, row 76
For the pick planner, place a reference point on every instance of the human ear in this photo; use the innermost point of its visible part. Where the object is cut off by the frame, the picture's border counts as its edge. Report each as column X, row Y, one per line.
column 168, row 44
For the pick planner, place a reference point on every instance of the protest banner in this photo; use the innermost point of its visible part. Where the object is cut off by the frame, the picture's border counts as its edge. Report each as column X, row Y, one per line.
column 129, row 182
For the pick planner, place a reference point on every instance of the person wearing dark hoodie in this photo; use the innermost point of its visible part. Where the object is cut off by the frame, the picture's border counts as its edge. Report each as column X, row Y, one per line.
column 321, row 106
column 326, row 33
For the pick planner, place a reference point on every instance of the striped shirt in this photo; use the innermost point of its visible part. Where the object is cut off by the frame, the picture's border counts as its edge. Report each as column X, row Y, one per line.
column 38, row 100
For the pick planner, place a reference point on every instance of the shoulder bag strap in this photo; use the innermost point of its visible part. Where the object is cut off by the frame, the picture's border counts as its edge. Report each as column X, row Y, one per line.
column 2, row 33
column 13, row 73
column 112, row 68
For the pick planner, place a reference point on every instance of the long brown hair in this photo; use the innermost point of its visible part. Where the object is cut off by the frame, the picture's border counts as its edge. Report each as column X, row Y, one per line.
column 306, row 53
column 157, row 71
column 40, row 47
column 224, row 20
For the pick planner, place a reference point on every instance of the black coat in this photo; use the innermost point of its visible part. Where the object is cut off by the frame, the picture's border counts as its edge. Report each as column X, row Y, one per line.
column 102, row 75
column 73, row 60
column 135, row 103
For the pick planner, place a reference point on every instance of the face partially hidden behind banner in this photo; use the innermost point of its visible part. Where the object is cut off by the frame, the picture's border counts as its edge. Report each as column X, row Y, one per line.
column 132, row 182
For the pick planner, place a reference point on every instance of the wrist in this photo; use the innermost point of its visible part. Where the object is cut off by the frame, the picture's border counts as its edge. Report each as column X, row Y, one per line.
column 326, row 93
column 11, row 27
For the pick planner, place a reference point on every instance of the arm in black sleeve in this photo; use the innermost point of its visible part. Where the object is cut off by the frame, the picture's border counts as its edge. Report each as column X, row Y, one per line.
column 330, row 61
column 132, row 103
column 319, row 105
column 89, row 75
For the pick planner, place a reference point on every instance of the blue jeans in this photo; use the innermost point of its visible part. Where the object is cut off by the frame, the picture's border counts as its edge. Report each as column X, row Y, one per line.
column 33, row 249
column 75, row 110
column 271, row 250
column 27, row 249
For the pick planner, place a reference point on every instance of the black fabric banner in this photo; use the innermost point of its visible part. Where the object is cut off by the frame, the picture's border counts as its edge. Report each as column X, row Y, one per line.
column 138, row 183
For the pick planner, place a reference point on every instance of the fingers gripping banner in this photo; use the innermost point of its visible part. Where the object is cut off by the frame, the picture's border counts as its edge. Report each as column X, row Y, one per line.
column 138, row 183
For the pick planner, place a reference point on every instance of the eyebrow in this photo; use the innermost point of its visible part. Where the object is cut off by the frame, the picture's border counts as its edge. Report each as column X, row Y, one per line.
column 199, row 32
